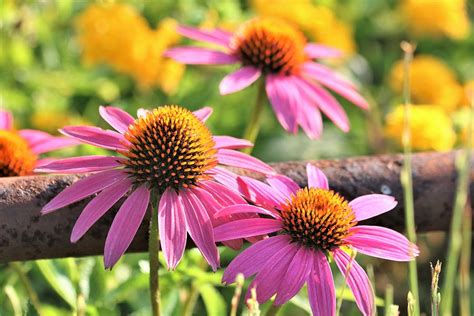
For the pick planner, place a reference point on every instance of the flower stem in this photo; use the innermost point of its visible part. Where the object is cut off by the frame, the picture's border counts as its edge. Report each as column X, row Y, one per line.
column 463, row 162
column 407, row 178
column 25, row 282
column 154, row 250
column 253, row 126
column 273, row 310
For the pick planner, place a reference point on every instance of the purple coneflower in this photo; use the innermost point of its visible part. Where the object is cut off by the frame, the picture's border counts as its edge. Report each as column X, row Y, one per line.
column 20, row 150
column 308, row 226
column 294, row 82
column 168, row 152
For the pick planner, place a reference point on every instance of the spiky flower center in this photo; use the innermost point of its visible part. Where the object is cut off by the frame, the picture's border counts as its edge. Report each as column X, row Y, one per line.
column 16, row 157
column 318, row 218
column 170, row 147
column 271, row 45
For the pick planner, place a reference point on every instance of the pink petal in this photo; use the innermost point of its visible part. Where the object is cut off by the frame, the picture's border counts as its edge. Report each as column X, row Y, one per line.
column 284, row 185
column 117, row 118
column 337, row 85
column 260, row 193
column 320, row 51
column 6, row 120
column 96, row 136
column 252, row 259
column 317, row 71
column 98, row 207
column 321, row 293
column 125, row 225
column 272, row 273
column 80, row 164
column 226, row 177
column 211, row 205
column 382, row 243
column 172, row 227
column 213, row 37
column 83, row 188
column 240, row 160
column 357, row 281
column 34, row 137
column 316, row 178
column 53, row 143
column 296, row 274
column 246, row 228
column 200, row 56
column 203, row 114
column 371, row 205
column 199, row 227
column 239, row 79
column 223, row 195
column 309, row 118
column 325, row 102
column 229, row 142
column 244, row 208
column 282, row 102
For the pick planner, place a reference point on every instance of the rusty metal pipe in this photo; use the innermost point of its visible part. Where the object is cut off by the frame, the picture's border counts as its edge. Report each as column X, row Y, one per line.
column 25, row 235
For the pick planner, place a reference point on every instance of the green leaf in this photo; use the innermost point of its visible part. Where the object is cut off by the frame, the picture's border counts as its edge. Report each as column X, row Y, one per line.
column 213, row 300
column 58, row 282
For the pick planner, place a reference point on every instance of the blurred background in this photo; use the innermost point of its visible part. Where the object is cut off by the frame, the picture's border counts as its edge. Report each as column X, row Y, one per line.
column 60, row 60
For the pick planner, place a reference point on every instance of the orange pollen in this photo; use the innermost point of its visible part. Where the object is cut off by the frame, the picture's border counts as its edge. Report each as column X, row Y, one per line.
column 16, row 157
column 271, row 45
column 318, row 218
column 170, row 147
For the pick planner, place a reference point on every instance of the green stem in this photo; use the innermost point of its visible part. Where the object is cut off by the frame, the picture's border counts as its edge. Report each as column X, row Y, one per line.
column 455, row 235
column 388, row 300
column 191, row 300
column 407, row 178
column 253, row 126
column 273, row 310
column 154, row 250
column 18, row 268
column 340, row 299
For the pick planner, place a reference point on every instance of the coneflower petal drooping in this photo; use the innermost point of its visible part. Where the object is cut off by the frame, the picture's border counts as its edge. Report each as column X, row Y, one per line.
column 166, row 152
column 307, row 225
column 294, row 83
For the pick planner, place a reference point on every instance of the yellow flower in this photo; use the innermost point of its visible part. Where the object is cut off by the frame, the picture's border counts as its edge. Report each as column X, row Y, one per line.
column 116, row 35
column 468, row 91
column 432, row 82
column 319, row 22
column 437, row 17
column 431, row 127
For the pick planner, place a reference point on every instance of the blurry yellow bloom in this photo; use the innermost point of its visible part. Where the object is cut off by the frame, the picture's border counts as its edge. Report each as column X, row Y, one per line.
column 437, row 17
column 468, row 91
column 432, row 82
column 319, row 22
column 118, row 36
column 431, row 127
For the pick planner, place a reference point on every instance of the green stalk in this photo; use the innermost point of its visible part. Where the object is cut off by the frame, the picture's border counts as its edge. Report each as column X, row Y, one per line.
column 463, row 162
column 253, row 126
column 340, row 299
column 407, row 178
column 154, row 250
column 239, row 281
column 273, row 310
column 465, row 264
column 388, row 300
column 25, row 282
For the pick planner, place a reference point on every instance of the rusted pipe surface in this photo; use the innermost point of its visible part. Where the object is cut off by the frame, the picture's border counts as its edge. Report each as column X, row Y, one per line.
column 25, row 235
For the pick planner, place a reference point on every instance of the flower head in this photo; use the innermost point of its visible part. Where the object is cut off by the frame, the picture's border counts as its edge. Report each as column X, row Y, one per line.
column 437, row 17
column 104, row 32
column 431, row 82
column 431, row 128
column 168, row 152
column 278, row 52
column 326, row 29
column 20, row 150
column 308, row 225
